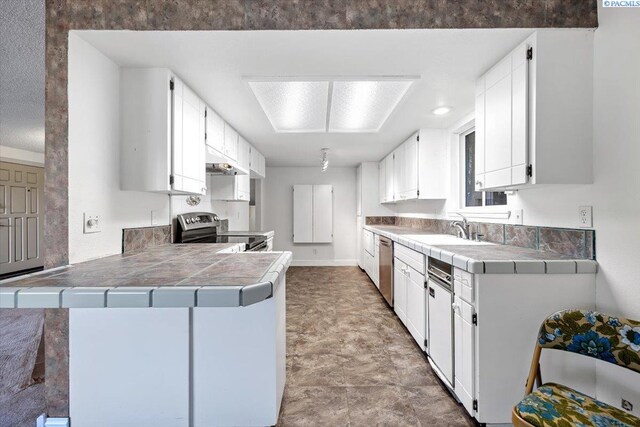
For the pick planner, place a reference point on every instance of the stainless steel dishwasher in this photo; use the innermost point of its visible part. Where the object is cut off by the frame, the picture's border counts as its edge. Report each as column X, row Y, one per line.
column 386, row 269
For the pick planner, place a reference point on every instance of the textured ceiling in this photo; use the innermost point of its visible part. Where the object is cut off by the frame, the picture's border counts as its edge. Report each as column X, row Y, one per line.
column 22, row 73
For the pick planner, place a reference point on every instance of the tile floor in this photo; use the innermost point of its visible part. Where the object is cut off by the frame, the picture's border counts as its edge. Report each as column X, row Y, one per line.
column 351, row 362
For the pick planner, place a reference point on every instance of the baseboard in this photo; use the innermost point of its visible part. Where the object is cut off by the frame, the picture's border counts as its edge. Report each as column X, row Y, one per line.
column 324, row 263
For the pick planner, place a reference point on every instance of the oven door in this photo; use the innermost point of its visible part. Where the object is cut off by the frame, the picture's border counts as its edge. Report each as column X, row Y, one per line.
column 261, row 247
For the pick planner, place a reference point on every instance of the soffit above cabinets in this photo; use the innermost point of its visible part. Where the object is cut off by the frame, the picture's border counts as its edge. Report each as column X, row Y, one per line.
column 329, row 104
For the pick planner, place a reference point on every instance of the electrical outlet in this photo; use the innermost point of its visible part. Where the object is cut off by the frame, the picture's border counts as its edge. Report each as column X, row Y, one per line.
column 585, row 216
column 154, row 217
column 626, row 405
column 516, row 216
column 92, row 223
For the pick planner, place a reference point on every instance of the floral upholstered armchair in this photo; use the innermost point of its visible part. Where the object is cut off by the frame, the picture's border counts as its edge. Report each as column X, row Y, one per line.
column 601, row 336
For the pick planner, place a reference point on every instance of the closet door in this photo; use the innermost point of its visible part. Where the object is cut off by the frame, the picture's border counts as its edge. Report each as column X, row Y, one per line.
column 322, row 213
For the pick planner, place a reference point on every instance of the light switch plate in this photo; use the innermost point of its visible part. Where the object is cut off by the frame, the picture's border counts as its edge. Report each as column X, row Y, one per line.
column 585, row 216
column 516, row 216
column 92, row 223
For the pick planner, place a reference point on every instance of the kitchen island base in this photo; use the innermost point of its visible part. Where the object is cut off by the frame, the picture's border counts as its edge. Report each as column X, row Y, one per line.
column 202, row 366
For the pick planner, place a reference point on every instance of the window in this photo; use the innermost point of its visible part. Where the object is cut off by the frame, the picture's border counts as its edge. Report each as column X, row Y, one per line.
column 473, row 198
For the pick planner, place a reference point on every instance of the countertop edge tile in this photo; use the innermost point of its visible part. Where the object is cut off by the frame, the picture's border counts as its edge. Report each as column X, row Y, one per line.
column 218, row 296
column 460, row 261
column 475, row 267
column 40, row 297
column 9, row 297
column 530, row 267
column 167, row 297
column 129, row 297
column 586, row 266
column 84, row 297
column 253, row 294
column 561, row 267
column 499, row 267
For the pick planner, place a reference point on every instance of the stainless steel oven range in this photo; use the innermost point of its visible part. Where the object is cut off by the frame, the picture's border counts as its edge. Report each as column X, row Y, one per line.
column 201, row 227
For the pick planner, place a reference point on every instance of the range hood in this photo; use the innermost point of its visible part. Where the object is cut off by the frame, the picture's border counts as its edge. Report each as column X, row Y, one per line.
column 219, row 164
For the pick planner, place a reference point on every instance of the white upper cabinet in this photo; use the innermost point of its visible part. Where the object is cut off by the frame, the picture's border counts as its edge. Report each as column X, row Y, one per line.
column 215, row 131
column 162, row 133
column 416, row 169
column 382, row 180
column 244, row 154
column 257, row 166
column 312, row 213
column 230, row 142
column 533, row 114
column 230, row 188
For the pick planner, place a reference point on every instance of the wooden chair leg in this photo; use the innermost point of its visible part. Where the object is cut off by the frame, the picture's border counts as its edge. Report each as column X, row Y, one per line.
column 534, row 372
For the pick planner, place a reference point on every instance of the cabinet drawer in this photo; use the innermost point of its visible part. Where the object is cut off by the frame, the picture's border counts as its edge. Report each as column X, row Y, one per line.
column 367, row 241
column 412, row 258
column 463, row 284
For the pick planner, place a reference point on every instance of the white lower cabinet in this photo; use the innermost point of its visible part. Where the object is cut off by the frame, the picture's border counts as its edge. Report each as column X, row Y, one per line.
column 416, row 309
column 230, row 188
column 400, row 290
column 464, row 333
column 376, row 262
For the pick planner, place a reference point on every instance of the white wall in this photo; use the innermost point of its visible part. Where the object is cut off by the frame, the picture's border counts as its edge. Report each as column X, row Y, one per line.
column 94, row 171
column 16, row 155
column 278, row 213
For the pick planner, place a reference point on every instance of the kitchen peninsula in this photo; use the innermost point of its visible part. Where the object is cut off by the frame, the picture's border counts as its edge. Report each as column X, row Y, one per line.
column 177, row 335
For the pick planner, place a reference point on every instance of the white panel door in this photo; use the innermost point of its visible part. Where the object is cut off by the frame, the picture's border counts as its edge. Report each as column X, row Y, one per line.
column 322, row 213
column 244, row 154
column 303, row 213
column 359, row 190
column 189, row 140
column 464, row 353
column 398, row 173
column 215, row 131
column 415, row 306
column 176, row 155
column 400, row 290
column 21, row 217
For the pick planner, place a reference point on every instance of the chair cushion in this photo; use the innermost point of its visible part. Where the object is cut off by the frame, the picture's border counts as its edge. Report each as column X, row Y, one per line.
column 558, row 406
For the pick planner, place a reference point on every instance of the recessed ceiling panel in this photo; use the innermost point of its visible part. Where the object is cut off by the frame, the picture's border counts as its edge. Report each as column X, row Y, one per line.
column 293, row 106
column 364, row 106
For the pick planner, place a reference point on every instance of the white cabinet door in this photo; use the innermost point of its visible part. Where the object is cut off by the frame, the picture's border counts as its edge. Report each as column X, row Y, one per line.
column 359, row 190
column 189, row 140
column 303, row 213
column 230, row 142
column 376, row 262
column 322, row 213
column 398, row 173
column 415, row 306
column 479, row 143
column 382, row 181
column 411, row 168
column 257, row 164
column 498, row 127
column 440, row 329
column 519, row 116
column 390, row 174
column 359, row 241
column 464, row 332
column 215, row 131
column 400, row 290
column 243, row 183
column 244, row 154
column 368, row 241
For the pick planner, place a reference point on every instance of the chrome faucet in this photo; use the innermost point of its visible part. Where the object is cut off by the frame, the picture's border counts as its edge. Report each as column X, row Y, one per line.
column 462, row 226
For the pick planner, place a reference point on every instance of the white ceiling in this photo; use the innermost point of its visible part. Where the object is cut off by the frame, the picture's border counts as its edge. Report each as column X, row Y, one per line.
column 22, row 74
column 214, row 64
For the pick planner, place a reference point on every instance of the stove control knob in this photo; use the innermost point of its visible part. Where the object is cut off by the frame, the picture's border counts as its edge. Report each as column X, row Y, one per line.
column 188, row 220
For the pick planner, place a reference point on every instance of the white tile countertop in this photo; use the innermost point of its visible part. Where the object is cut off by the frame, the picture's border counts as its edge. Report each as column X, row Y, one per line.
column 484, row 257
column 174, row 275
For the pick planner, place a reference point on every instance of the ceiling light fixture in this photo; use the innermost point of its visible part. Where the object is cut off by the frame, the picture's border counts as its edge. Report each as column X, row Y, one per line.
column 440, row 111
column 329, row 104
column 293, row 106
column 325, row 159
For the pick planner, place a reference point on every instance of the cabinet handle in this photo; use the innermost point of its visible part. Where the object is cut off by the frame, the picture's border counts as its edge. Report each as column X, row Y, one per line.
column 479, row 183
column 455, row 306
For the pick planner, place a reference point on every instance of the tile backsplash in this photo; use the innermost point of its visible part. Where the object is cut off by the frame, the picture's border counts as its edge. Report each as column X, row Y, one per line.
column 566, row 241
column 139, row 239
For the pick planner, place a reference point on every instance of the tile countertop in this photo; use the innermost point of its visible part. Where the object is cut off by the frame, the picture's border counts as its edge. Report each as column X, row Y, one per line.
column 176, row 275
column 484, row 257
